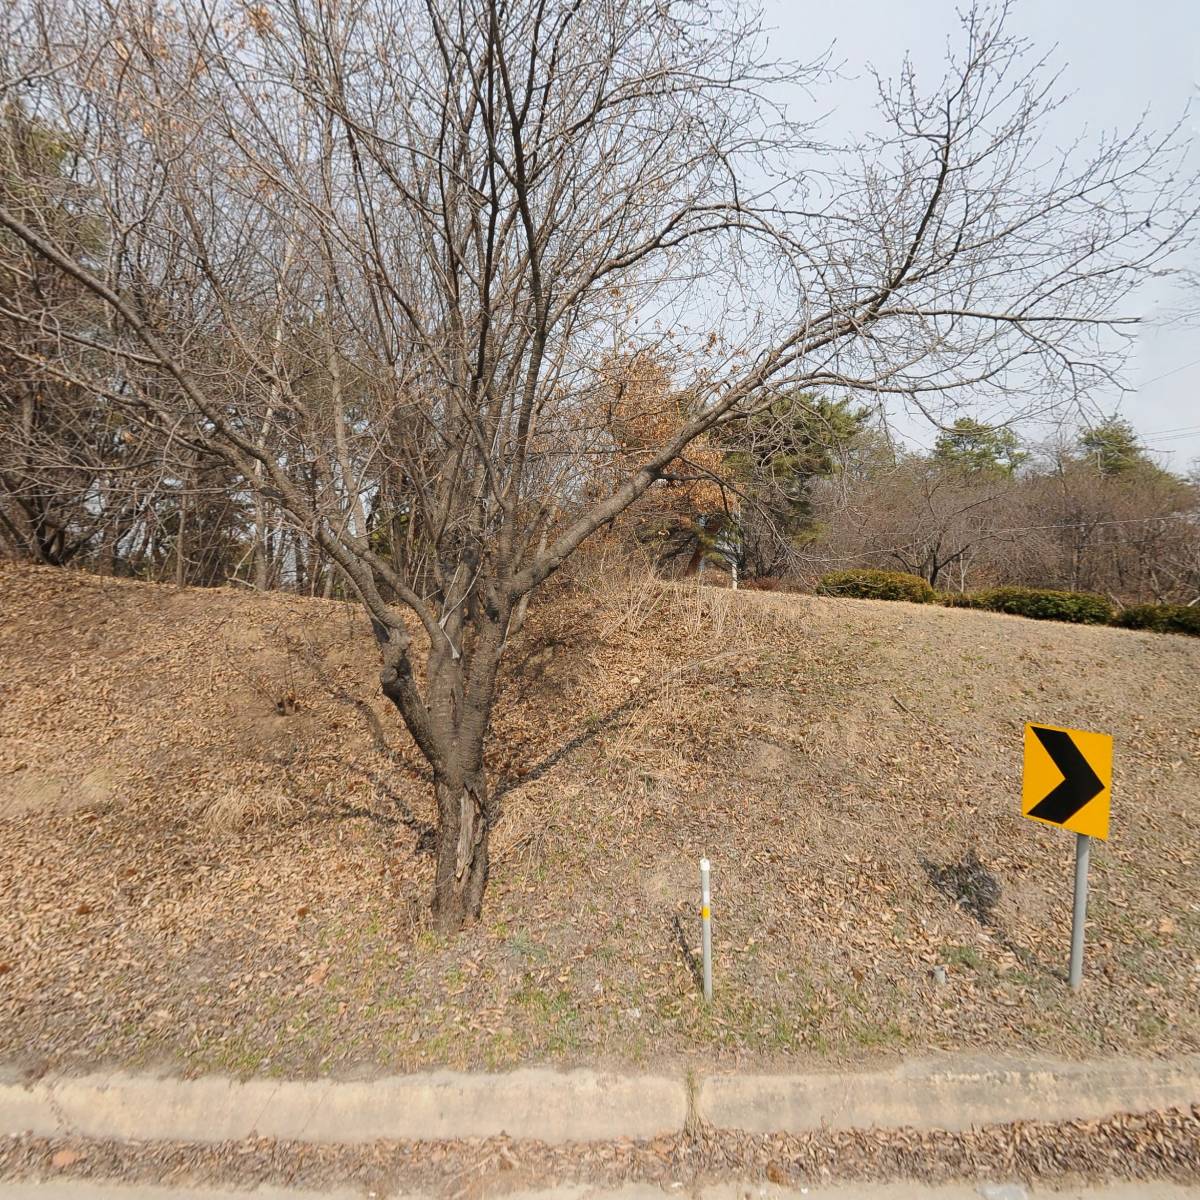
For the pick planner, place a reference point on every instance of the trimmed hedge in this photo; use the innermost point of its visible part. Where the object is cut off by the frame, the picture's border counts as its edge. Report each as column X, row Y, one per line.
column 1082, row 608
column 1183, row 618
column 1161, row 618
column 1040, row 604
column 867, row 584
column 1142, row 616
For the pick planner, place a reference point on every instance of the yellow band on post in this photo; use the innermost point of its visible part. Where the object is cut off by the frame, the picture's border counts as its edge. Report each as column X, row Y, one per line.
column 704, row 912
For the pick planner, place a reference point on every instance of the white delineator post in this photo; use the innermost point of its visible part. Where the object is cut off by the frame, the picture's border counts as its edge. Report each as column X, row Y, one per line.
column 706, row 926
column 1083, row 854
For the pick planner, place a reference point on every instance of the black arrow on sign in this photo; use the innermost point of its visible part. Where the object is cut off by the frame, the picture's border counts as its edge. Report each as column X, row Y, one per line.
column 1080, row 783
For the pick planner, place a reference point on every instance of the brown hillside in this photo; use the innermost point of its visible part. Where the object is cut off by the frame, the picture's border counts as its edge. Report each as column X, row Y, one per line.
column 215, row 835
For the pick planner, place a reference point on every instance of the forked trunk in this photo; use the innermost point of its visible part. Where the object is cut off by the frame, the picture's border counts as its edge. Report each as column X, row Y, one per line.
column 449, row 723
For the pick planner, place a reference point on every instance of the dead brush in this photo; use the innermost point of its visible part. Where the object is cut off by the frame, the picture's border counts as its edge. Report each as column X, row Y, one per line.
column 280, row 688
column 538, row 821
column 749, row 622
column 623, row 586
column 706, row 610
column 646, row 744
column 762, row 619
column 240, row 808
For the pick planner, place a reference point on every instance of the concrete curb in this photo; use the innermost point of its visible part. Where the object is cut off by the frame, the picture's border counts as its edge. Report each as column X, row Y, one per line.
column 549, row 1105
column 58, row 1188
column 948, row 1095
column 583, row 1105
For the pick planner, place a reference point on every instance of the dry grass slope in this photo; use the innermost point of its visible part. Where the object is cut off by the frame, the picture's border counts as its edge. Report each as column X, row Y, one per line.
column 215, row 836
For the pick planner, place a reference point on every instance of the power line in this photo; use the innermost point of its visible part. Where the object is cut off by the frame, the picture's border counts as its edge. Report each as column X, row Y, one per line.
column 1165, row 375
column 1176, row 430
column 1097, row 524
column 1179, row 437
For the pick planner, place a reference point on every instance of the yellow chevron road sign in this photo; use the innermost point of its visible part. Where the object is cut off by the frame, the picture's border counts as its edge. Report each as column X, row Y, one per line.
column 1068, row 779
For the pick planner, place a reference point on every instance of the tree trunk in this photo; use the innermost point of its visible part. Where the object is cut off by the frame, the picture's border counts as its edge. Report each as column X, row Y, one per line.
column 260, row 546
column 459, row 782
column 449, row 723
column 462, row 849
column 181, row 543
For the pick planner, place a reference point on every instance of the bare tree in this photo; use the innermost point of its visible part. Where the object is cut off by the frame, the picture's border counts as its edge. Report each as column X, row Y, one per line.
column 1131, row 533
column 921, row 516
column 371, row 253
column 70, row 485
column 1065, row 517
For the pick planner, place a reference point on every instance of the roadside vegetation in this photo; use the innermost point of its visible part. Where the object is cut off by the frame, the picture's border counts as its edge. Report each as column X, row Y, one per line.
column 202, row 876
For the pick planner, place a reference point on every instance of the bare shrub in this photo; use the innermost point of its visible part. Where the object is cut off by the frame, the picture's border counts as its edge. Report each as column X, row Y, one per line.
column 246, row 806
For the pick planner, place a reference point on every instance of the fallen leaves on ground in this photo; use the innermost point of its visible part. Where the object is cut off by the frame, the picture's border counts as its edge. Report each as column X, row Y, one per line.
column 191, row 877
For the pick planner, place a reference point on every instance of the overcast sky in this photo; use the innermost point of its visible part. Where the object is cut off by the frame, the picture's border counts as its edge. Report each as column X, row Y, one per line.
column 1119, row 59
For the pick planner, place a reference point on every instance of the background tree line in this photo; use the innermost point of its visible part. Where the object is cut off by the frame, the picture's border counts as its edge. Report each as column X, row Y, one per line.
column 811, row 485
column 1092, row 512
column 802, row 485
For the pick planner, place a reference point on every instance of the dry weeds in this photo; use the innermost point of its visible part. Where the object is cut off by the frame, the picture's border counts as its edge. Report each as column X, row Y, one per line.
column 239, row 808
column 191, row 877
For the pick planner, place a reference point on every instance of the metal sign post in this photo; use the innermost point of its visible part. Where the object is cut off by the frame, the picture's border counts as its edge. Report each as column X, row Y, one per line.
column 706, row 927
column 1083, row 853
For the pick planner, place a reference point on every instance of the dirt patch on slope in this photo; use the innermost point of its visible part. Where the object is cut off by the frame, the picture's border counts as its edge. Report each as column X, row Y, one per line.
column 247, row 892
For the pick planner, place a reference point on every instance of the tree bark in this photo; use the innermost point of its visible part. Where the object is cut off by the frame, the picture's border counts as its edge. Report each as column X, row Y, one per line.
column 180, row 540
column 462, row 849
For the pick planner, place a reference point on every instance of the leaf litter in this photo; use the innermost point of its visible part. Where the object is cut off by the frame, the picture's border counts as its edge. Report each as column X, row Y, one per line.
column 195, row 876
column 1142, row 1146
